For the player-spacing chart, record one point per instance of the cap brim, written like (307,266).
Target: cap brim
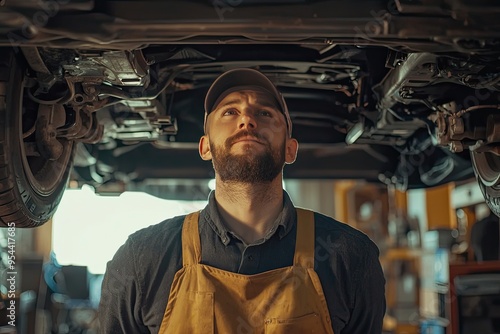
(243,77)
(233,78)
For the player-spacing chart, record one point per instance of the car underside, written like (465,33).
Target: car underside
(110,93)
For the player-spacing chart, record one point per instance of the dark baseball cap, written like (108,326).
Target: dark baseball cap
(243,79)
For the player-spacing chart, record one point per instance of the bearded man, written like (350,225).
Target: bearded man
(250,261)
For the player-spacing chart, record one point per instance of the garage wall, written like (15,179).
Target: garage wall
(316,195)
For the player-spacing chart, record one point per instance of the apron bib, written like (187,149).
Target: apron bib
(204,299)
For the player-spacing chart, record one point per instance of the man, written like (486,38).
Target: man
(250,262)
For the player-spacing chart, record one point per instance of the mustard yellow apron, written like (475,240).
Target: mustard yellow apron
(204,299)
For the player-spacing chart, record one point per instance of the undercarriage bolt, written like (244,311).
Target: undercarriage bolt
(457,126)
(89,89)
(456,146)
(48,145)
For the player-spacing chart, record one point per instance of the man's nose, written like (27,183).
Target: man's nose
(247,121)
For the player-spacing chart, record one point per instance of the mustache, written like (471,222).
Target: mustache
(245,133)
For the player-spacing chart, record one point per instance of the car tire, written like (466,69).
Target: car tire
(487,169)
(31,187)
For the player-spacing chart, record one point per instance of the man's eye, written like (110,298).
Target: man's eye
(230,111)
(265,113)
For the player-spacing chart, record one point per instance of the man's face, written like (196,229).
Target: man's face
(247,138)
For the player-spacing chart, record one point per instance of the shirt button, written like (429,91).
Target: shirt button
(250,257)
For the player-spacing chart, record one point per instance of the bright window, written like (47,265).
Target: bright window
(88,229)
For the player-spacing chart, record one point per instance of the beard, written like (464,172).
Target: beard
(247,168)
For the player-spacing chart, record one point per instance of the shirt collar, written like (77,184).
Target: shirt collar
(283,224)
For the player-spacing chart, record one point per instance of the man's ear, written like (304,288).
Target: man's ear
(292,146)
(204,148)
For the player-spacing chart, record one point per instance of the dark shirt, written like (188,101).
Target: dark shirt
(137,282)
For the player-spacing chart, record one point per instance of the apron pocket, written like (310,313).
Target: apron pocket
(309,323)
(202,309)
(193,313)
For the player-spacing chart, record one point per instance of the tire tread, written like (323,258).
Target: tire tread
(10,208)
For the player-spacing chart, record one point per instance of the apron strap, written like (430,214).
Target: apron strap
(304,245)
(191,248)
